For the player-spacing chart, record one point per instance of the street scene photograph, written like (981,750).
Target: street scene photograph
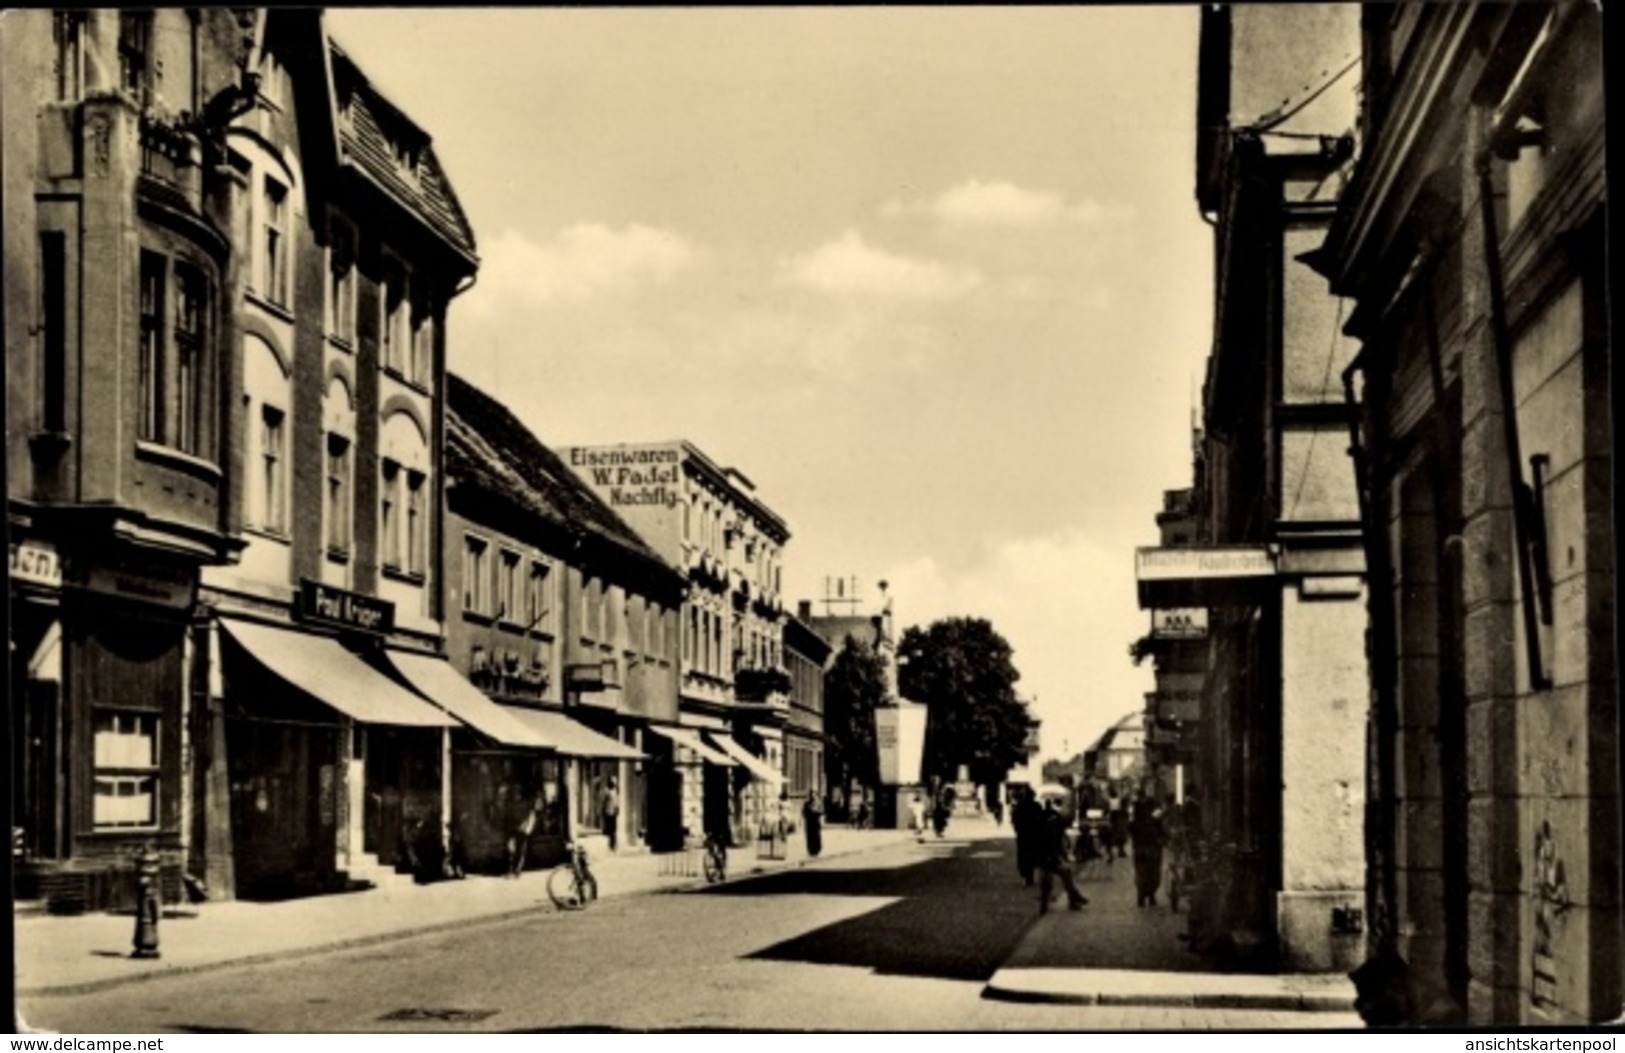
(881,519)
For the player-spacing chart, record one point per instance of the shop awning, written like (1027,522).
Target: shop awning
(757,767)
(691,739)
(322,668)
(570,737)
(436,680)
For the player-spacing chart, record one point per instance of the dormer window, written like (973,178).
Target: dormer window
(407,158)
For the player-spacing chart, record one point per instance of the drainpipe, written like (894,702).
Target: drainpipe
(1524,522)
(1381,824)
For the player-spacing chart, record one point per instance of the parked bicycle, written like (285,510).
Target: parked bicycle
(570,885)
(716,859)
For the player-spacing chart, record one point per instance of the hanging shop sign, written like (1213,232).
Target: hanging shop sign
(1179,623)
(322,604)
(36,563)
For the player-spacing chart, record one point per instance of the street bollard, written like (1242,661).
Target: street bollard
(148,903)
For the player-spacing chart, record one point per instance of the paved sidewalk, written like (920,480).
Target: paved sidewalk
(69,955)
(1115,953)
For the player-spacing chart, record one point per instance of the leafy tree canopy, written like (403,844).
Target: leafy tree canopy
(962,669)
(853,687)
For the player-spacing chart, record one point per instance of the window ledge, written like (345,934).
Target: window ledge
(345,344)
(276,309)
(337,555)
(477,617)
(400,377)
(269,534)
(408,577)
(173,458)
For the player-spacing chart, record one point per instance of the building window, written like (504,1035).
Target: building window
(389,511)
(341,284)
(338,493)
(68,32)
(54,331)
(417,492)
(126,779)
(537,600)
(190,311)
(152,341)
(273,458)
(476,583)
(394,321)
(423,346)
(508,586)
(275,260)
(134,52)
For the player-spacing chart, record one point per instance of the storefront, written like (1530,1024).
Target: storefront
(756,788)
(98,680)
(332,766)
(690,770)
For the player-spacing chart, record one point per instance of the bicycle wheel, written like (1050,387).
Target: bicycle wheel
(564,890)
(716,865)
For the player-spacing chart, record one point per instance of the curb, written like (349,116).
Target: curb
(542,907)
(1302,1002)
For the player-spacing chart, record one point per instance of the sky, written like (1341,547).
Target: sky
(933,279)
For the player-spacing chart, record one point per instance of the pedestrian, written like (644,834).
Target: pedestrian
(916,814)
(1117,816)
(522,823)
(1025,818)
(942,809)
(609,810)
(1052,862)
(1149,835)
(812,820)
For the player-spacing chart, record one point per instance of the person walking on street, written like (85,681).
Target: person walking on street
(1117,816)
(1052,862)
(609,810)
(522,823)
(812,820)
(1149,834)
(1025,818)
(916,815)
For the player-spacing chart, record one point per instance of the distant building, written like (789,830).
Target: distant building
(1280,566)
(734,690)
(567,621)
(806,655)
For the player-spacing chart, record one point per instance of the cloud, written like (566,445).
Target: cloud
(580,261)
(852,266)
(1002,203)
(1058,600)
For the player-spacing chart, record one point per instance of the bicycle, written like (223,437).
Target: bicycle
(715,859)
(570,885)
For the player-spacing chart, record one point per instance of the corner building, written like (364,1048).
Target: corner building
(1471,242)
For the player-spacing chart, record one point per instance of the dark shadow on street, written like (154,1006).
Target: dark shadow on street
(958,913)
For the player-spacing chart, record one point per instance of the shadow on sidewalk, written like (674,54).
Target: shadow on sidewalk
(957,914)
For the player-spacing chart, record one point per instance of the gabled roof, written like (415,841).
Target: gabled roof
(371,128)
(489,449)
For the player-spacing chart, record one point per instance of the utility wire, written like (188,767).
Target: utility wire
(1266,122)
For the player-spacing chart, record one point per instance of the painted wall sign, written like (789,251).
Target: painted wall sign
(1183,564)
(36,562)
(1181,623)
(162,587)
(325,605)
(632,476)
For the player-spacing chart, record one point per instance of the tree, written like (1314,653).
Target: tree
(853,687)
(962,670)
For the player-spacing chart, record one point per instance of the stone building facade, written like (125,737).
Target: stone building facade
(1471,241)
